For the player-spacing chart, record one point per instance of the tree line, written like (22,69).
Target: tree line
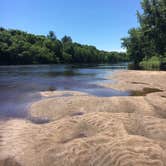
(19,47)
(146,45)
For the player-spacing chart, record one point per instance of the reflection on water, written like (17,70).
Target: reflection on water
(19,85)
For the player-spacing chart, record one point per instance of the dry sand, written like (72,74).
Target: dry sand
(137,80)
(86,130)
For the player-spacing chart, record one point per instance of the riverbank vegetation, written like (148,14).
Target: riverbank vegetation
(18,47)
(146,45)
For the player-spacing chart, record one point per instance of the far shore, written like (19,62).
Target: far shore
(78,129)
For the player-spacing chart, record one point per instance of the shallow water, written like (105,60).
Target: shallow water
(20,85)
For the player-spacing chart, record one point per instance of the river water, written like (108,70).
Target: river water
(20,85)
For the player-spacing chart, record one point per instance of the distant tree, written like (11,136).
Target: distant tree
(2,29)
(18,47)
(67,58)
(51,35)
(66,39)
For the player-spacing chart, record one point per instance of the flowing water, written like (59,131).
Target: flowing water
(20,85)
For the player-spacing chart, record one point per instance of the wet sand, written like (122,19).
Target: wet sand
(85,130)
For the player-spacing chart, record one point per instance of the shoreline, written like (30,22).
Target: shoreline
(137,80)
(87,130)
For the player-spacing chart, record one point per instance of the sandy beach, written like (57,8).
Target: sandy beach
(85,130)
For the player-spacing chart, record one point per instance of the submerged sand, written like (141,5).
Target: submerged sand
(85,130)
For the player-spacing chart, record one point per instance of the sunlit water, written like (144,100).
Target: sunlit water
(20,85)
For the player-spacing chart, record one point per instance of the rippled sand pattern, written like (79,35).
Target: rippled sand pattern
(90,131)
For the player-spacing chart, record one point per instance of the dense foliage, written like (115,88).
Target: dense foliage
(18,47)
(146,45)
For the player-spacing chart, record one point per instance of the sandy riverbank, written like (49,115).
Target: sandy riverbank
(85,130)
(137,80)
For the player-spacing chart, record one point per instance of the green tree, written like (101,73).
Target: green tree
(66,39)
(149,39)
(18,47)
(51,35)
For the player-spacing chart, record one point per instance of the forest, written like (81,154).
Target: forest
(146,44)
(19,47)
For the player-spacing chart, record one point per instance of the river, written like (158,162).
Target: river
(20,85)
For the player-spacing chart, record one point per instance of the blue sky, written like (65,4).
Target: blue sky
(95,22)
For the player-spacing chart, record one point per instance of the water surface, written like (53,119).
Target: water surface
(20,85)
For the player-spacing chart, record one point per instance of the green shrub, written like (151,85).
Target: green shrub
(153,63)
